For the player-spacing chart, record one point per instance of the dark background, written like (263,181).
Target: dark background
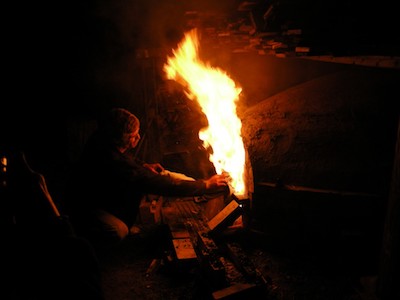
(308,122)
(78,56)
(67,62)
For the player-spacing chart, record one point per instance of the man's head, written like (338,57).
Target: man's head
(121,127)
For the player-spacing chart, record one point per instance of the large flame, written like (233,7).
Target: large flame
(217,94)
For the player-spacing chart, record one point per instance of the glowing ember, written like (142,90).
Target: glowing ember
(216,93)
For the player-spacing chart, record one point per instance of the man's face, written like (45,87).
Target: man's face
(135,137)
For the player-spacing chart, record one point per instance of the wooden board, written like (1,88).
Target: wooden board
(184,249)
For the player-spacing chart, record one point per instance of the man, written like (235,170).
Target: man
(105,190)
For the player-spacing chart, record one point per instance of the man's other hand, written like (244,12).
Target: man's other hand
(155,168)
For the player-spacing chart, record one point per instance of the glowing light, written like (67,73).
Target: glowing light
(217,95)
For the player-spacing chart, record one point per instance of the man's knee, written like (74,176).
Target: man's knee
(121,230)
(114,228)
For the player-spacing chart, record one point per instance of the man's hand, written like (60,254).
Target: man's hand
(155,168)
(217,181)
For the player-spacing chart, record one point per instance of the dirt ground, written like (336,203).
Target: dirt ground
(133,272)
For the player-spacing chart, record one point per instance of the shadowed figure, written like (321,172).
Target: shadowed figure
(44,258)
(105,189)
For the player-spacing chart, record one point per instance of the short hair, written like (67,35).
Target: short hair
(118,125)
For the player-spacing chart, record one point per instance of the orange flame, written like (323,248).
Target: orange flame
(216,93)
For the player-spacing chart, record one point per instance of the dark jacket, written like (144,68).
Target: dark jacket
(113,181)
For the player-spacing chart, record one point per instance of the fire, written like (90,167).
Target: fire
(217,95)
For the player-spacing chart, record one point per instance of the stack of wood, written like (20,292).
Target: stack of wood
(196,237)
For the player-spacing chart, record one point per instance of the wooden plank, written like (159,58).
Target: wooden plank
(228,214)
(184,249)
(232,290)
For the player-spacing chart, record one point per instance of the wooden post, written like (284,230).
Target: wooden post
(388,285)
